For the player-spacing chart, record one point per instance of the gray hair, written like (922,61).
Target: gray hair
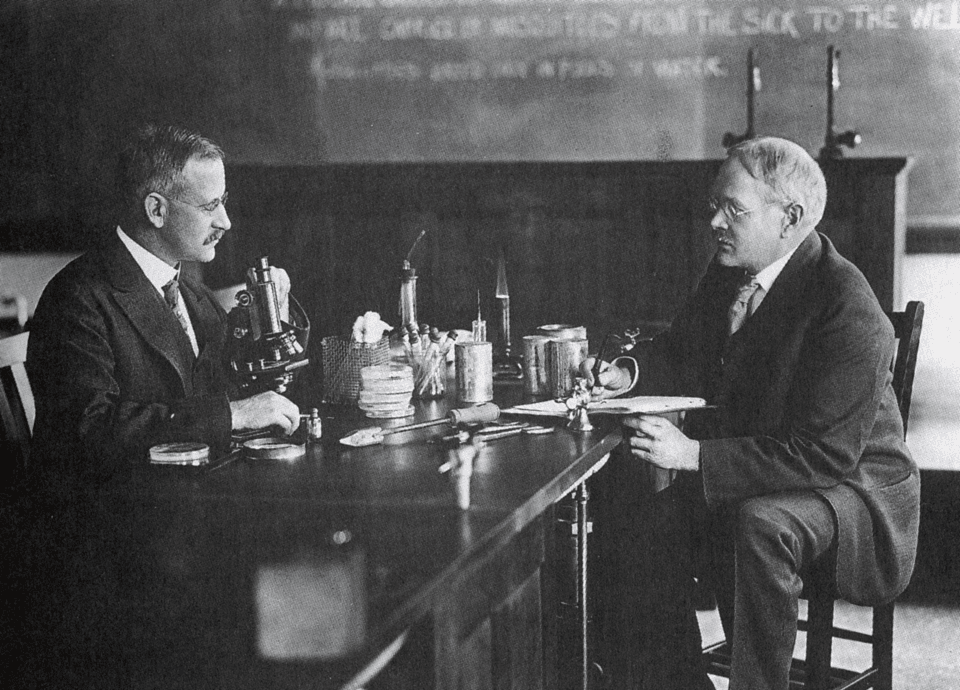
(791,174)
(153,161)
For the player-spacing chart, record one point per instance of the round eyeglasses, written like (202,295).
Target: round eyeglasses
(210,207)
(731,212)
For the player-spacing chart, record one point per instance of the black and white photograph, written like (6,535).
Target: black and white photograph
(480,344)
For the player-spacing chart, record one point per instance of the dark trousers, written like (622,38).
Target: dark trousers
(653,547)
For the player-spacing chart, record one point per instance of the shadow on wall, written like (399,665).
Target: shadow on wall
(26,275)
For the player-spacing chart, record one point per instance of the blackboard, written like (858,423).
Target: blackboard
(307,82)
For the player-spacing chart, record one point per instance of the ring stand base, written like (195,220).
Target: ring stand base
(580,421)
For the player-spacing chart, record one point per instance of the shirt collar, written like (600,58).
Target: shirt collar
(767,276)
(158,271)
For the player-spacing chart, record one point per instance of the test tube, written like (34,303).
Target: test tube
(479,331)
(479,326)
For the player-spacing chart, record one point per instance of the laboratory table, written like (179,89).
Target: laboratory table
(305,573)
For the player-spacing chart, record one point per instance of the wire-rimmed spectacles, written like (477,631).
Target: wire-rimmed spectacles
(210,207)
(730,211)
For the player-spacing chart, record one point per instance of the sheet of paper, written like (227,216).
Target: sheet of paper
(644,404)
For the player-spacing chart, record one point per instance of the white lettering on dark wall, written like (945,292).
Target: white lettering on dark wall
(601,25)
(563,68)
(936,16)
(573,40)
(661,17)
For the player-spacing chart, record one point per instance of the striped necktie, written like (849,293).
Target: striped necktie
(171,295)
(740,309)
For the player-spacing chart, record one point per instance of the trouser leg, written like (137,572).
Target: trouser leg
(654,637)
(775,537)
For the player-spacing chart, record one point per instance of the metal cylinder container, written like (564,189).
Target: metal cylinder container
(474,363)
(563,365)
(562,331)
(535,365)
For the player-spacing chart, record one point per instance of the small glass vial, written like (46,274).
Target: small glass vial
(314,425)
(479,330)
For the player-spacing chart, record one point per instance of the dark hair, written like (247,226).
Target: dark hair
(153,161)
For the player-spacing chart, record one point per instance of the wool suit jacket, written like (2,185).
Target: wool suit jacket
(805,402)
(113,372)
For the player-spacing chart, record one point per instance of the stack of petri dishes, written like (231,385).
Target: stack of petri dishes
(386,391)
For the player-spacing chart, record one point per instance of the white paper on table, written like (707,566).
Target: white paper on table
(643,404)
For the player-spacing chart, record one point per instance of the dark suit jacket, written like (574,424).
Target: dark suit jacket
(805,403)
(112,371)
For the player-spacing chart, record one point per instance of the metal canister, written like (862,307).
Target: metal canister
(562,331)
(474,362)
(535,365)
(563,364)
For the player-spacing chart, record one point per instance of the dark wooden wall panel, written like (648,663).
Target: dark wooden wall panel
(605,245)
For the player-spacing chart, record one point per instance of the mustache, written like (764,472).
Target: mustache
(721,235)
(215,237)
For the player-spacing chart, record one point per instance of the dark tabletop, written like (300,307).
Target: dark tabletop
(264,571)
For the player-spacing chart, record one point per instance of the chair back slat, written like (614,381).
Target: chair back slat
(907,325)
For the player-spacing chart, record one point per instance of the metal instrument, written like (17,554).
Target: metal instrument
(832,147)
(408,288)
(577,418)
(408,295)
(613,345)
(753,85)
(506,365)
(478,414)
(264,351)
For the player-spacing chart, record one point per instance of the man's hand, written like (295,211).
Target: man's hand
(265,410)
(612,380)
(658,441)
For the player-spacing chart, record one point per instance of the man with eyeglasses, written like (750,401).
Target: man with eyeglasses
(125,351)
(803,458)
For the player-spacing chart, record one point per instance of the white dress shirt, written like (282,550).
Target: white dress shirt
(159,273)
(767,276)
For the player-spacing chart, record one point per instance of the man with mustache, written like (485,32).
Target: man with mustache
(802,461)
(125,352)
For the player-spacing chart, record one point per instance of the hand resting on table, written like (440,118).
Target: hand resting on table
(264,410)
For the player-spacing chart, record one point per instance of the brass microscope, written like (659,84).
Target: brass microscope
(264,350)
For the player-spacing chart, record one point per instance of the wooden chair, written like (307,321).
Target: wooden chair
(815,672)
(17,410)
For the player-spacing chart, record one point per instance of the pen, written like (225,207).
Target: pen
(595,372)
